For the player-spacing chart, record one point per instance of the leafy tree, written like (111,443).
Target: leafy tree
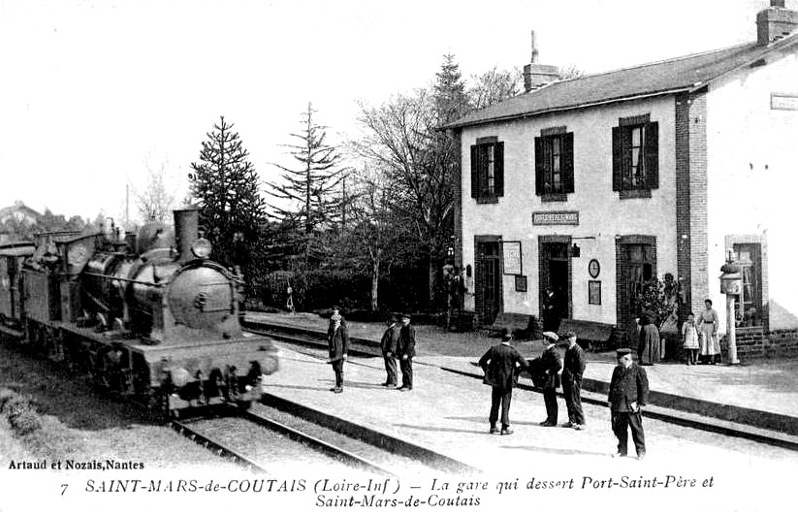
(449,92)
(378,236)
(659,297)
(403,138)
(226,188)
(155,201)
(494,86)
(310,193)
(570,71)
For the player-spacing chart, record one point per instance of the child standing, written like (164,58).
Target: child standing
(690,338)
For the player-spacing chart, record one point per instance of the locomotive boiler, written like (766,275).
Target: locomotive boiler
(150,316)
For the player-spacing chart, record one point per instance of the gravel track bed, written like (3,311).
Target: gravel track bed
(271,450)
(394,463)
(81,423)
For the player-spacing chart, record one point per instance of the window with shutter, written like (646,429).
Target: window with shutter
(635,157)
(554,165)
(487,170)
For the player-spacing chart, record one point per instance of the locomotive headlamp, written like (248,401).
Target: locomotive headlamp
(201,248)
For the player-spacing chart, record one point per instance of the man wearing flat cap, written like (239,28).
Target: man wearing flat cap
(501,364)
(628,394)
(550,366)
(389,345)
(406,352)
(573,368)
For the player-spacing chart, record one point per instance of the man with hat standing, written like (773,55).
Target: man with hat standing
(499,364)
(406,352)
(550,366)
(389,344)
(628,394)
(573,369)
(338,342)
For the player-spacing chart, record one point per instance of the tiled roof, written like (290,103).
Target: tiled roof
(664,77)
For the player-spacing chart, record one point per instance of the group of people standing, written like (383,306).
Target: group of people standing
(699,338)
(628,393)
(502,364)
(398,342)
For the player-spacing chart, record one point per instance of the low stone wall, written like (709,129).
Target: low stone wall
(753,343)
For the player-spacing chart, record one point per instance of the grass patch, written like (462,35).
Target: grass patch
(20,412)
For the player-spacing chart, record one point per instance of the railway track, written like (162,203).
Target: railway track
(266,438)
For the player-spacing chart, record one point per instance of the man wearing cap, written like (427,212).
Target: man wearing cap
(499,364)
(406,352)
(338,342)
(573,369)
(550,366)
(628,393)
(389,344)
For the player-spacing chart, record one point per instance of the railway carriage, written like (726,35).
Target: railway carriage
(150,316)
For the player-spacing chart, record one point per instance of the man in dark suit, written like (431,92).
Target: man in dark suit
(338,342)
(499,364)
(406,352)
(573,369)
(550,366)
(628,394)
(389,344)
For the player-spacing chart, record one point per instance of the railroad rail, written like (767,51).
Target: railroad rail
(186,429)
(301,431)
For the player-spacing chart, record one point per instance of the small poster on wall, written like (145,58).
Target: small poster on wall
(594,292)
(511,256)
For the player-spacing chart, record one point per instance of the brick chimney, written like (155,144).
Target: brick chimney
(775,22)
(536,75)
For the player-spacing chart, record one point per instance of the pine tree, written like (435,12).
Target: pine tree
(225,185)
(311,193)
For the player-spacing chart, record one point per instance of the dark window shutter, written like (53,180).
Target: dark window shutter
(617,157)
(652,155)
(540,172)
(498,169)
(568,162)
(474,172)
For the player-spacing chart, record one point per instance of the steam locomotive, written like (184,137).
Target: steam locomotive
(149,316)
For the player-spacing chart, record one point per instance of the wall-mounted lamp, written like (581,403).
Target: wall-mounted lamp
(576,251)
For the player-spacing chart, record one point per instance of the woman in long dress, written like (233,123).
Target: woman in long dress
(648,347)
(709,346)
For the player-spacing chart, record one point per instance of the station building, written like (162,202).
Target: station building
(583,188)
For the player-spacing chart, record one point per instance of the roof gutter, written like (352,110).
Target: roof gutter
(537,113)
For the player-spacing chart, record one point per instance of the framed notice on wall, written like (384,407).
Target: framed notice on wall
(594,292)
(511,256)
(520,283)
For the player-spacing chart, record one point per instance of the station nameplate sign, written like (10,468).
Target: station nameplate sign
(555,218)
(781,101)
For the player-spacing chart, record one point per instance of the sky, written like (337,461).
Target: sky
(95,93)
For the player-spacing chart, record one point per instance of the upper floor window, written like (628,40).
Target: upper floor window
(635,156)
(487,169)
(554,163)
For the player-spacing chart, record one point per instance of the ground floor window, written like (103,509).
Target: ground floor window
(749,309)
(636,263)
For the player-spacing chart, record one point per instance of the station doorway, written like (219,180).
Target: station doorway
(488,278)
(555,280)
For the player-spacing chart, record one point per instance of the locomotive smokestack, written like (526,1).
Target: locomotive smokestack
(186,227)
